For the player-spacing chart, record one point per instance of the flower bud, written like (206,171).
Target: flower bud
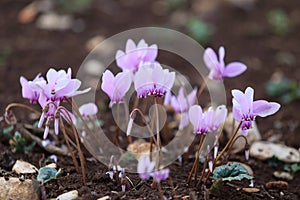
(247,151)
(129,127)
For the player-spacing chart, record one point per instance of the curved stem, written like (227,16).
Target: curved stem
(20,105)
(228,143)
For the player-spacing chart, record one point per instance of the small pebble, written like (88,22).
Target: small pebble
(251,190)
(283,175)
(280,185)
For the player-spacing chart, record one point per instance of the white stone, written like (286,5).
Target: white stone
(283,175)
(104,198)
(16,189)
(22,167)
(53,21)
(253,134)
(68,195)
(264,150)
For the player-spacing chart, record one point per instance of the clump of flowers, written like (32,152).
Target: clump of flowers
(153,85)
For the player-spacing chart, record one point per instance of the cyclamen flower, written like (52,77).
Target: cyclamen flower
(58,85)
(245,109)
(27,91)
(145,167)
(135,54)
(208,121)
(197,118)
(217,67)
(161,175)
(152,79)
(182,103)
(214,118)
(51,92)
(116,86)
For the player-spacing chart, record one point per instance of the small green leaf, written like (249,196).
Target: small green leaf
(7,130)
(47,173)
(216,187)
(230,172)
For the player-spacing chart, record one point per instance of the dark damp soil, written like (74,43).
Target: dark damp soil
(247,36)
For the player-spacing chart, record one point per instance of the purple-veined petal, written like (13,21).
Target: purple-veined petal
(130,45)
(236,111)
(233,69)
(220,115)
(195,116)
(108,83)
(249,93)
(51,75)
(221,55)
(27,91)
(263,108)
(241,101)
(210,58)
(151,53)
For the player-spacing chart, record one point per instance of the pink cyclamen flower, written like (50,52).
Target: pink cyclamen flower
(245,109)
(182,103)
(135,54)
(161,175)
(197,118)
(88,109)
(116,86)
(217,67)
(145,167)
(27,91)
(152,79)
(51,92)
(214,118)
(58,85)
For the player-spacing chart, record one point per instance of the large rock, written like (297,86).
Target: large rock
(16,189)
(264,150)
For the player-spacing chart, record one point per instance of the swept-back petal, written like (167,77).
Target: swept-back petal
(210,58)
(108,82)
(221,55)
(233,69)
(130,45)
(195,116)
(151,53)
(263,108)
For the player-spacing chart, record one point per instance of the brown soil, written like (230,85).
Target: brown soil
(34,51)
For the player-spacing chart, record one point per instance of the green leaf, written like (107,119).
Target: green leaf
(7,130)
(230,172)
(47,173)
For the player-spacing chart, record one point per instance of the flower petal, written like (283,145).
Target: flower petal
(263,108)
(195,115)
(130,45)
(210,58)
(233,69)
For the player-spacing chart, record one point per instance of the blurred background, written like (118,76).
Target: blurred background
(264,34)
